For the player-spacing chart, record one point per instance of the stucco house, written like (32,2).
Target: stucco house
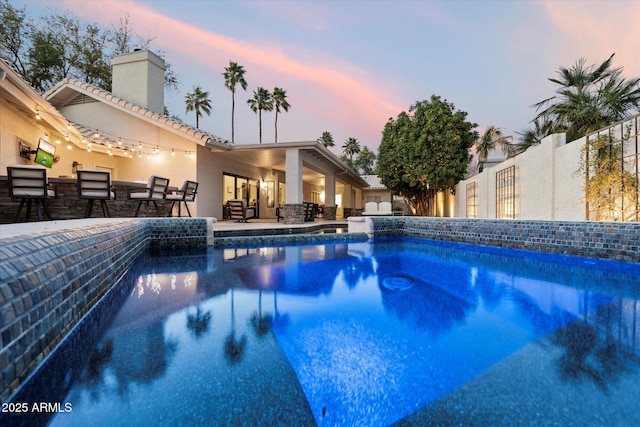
(126,132)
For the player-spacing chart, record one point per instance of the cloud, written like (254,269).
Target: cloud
(333,90)
(598,29)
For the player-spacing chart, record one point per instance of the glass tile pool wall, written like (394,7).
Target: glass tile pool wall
(406,331)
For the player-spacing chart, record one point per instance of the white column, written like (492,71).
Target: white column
(294,176)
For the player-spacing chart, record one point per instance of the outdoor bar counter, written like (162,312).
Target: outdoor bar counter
(67,205)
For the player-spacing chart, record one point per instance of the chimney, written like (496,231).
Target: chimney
(138,77)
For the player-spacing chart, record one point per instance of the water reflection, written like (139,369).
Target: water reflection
(353,342)
(593,351)
(233,347)
(198,322)
(261,324)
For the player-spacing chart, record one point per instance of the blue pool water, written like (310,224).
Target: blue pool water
(361,334)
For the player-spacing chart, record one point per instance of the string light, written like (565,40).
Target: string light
(105,141)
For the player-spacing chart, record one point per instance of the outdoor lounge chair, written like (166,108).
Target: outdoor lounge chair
(29,184)
(237,210)
(156,190)
(384,208)
(186,193)
(377,209)
(95,185)
(370,208)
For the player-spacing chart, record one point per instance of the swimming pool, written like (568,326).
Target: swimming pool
(400,331)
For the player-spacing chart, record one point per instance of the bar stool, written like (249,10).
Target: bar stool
(186,193)
(156,190)
(29,184)
(95,185)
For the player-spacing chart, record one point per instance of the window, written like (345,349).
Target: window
(505,193)
(376,199)
(472,200)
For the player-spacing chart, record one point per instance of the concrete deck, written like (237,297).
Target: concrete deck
(31,228)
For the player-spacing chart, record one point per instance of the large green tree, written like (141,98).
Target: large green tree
(589,98)
(47,50)
(280,103)
(365,162)
(262,101)
(425,151)
(198,101)
(233,76)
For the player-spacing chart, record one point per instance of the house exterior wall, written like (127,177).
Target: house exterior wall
(376,195)
(17,125)
(547,186)
(210,168)
(119,123)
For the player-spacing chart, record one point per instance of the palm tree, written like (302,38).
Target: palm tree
(199,102)
(262,100)
(351,147)
(279,101)
(326,139)
(233,75)
(529,137)
(589,98)
(490,138)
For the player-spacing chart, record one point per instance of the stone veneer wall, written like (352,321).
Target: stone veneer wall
(49,281)
(610,240)
(67,205)
(293,213)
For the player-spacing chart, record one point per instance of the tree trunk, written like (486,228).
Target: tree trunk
(260,124)
(233,109)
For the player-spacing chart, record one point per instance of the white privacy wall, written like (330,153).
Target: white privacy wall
(547,184)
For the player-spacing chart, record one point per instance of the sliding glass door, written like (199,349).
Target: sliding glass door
(240,187)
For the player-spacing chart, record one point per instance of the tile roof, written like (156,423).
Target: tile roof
(374,182)
(198,134)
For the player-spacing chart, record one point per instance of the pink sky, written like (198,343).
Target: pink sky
(349,66)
